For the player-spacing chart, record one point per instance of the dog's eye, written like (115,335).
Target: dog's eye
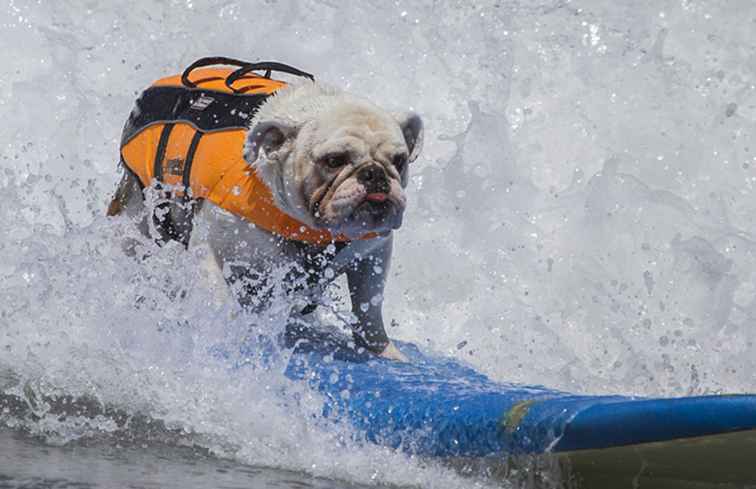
(400,161)
(336,161)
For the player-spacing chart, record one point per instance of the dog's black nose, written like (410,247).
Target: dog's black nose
(373,178)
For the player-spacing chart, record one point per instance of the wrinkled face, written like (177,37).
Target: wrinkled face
(344,170)
(358,170)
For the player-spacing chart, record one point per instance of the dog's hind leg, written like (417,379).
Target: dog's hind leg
(158,216)
(129,200)
(124,194)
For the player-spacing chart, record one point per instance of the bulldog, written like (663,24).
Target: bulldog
(331,163)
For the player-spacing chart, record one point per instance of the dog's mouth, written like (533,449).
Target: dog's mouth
(376,197)
(373,213)
(376,212)
(374,207)
(344,206)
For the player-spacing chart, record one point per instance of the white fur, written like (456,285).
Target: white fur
(313,121)
(297,103)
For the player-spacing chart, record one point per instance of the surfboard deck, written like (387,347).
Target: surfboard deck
(438,407)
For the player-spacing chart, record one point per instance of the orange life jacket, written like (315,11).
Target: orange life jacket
(188,135)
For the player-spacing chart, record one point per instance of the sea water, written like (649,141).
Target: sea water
(582,217)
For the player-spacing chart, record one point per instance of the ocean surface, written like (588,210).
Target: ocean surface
(583,217)
(33,464)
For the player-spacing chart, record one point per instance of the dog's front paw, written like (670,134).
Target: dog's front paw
(391,352)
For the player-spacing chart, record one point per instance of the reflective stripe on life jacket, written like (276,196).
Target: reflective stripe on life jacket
(190,140)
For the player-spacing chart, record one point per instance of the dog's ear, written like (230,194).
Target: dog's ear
(412,129)
(267,137)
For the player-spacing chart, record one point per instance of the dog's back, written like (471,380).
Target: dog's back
(185,137)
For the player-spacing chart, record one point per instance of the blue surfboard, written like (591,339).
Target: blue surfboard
(438,407)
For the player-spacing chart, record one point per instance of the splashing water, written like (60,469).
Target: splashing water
(582,216)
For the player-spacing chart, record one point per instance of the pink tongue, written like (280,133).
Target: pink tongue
(376,197)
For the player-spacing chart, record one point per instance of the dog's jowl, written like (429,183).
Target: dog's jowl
(277,175)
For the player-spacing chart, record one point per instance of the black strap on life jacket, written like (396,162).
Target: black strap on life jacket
(244,68)
(268,66)
(174,217)
(165,134)
(187,172)
(208,61)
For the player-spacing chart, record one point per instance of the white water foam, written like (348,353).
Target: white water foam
(582,216)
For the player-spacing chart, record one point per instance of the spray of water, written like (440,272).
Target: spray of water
(582,216)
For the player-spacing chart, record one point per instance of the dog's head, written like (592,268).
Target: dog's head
(334,161)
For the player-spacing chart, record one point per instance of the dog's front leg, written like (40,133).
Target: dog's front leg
(367,278)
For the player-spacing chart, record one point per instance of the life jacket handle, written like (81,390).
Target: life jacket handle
(209,61)
(244,68)
(268,66)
